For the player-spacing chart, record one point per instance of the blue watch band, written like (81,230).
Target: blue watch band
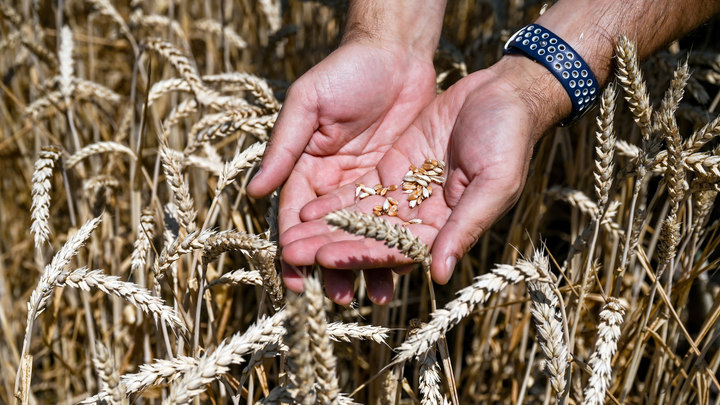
(541,45)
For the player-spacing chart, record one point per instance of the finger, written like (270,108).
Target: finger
(293,277)
(296,192)
(295,124)
(339,285)
(480,205)
(380,286)
(342,198)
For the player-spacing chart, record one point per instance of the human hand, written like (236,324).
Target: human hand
(484,127)
(337,121)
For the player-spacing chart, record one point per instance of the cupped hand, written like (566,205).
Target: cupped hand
(484,127)
(337,122)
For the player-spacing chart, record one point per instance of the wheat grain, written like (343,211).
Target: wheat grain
(611,318)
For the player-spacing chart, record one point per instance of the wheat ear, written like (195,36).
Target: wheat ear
(40,211)
(605,149)
(241,161)
(173,171)
(143,241)
(346,332)
(631,79)
(48,281)
(611,318)
(548,321)
(320,346)
(429,379)
(210,26)
(97,148)
(299,358)
(236,277)
(139,297)
(213,365)
(379,229)
(108,375)
(458,309)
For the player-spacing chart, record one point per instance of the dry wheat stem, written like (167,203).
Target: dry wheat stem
(608,334)
(370,226)
(469,298)
(139,297)
(42,185)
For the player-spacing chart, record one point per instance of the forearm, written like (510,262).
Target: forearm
(592,28)
(413,25)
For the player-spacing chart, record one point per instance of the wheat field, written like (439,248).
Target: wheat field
(134,267)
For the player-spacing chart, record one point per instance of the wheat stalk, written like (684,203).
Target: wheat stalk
(611,318)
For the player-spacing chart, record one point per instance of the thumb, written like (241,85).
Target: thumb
(297,121)
(481,204)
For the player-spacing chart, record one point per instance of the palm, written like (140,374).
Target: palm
(480,129)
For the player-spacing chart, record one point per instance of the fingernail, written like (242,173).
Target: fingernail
(450,263)
(256,174)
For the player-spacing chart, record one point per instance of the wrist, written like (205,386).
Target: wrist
(396,25)
(540,92)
